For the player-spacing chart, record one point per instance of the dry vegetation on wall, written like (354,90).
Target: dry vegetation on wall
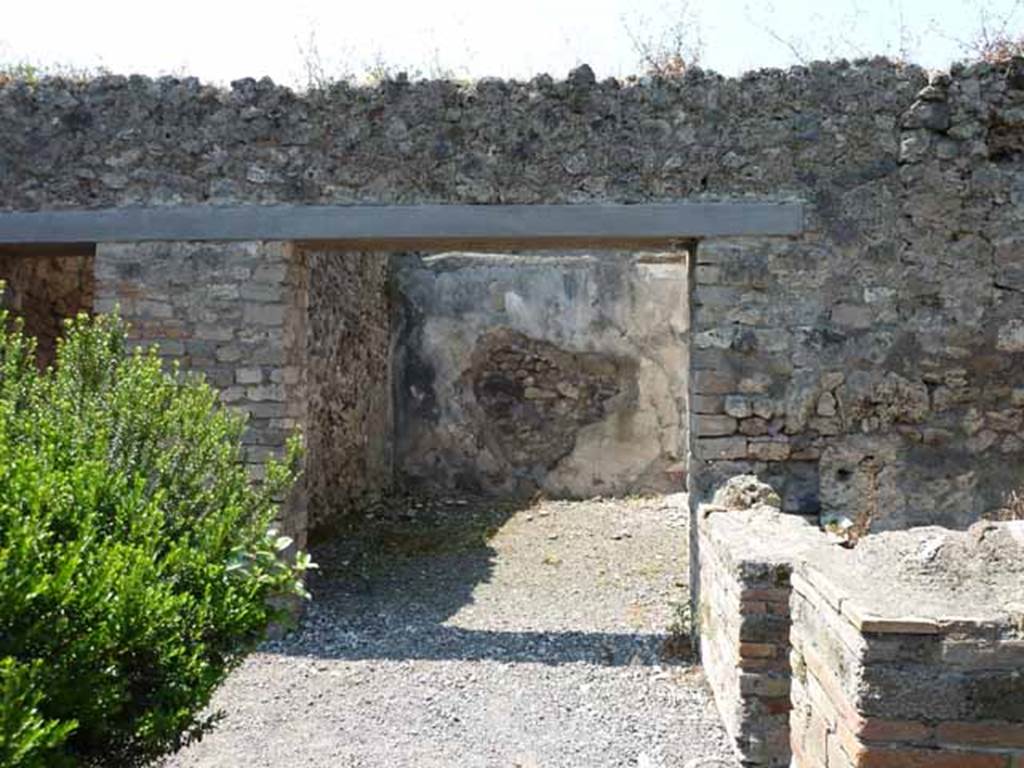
(666,44)
(28,72)
(998,39)
(1001,49)
(1013,509)
(667,49)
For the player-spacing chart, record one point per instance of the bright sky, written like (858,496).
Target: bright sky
(220,40)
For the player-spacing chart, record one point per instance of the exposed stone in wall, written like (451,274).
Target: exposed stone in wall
(869,370)
(519,373)
(44,290)
(822,131)
(234,312)
(535,397)
(350,435)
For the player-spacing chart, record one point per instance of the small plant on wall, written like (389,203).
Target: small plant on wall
(137,561)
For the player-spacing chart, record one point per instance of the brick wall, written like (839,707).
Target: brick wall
(745,649)
(234,312)
(904,652)
(900,692)
(744,622)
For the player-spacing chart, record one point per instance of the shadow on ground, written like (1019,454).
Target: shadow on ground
(389,582)
(482,635)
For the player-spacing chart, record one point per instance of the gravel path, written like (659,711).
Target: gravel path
(520,637)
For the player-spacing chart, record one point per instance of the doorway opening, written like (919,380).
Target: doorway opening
(504,375)
(45,286)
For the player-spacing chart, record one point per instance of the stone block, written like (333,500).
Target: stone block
(270,274)
(259,292)
(708,274)
(263,314)
(232,394)
(717,296)
(1010,336)
(214,332)
(228,353)
(714,425)
(707,404)
(710,382)
(218,376)
(738,406)
(249,376)
(718,448)
(853,316)
(755,384)
(754,426)
(768,449)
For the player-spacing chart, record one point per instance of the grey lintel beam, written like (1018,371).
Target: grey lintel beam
(411,225)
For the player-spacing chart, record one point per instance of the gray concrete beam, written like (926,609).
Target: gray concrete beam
(411,226)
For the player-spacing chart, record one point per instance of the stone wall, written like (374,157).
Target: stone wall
(350,435)
(306,338)
(871,367)
(44,290)
(820,133)
(521,373)
(234,312)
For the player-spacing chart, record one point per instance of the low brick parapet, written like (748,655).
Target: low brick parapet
(905,652)
(901,689)
(744,617)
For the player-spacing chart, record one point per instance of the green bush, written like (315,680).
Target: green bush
(137,563)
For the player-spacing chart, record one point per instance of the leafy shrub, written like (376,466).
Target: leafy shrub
(137,564)
(25,736)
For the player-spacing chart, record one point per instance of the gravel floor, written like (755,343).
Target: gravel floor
(531,636)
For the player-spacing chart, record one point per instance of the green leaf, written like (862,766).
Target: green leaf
(137,561)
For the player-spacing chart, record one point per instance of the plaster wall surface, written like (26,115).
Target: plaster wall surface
(565,374)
